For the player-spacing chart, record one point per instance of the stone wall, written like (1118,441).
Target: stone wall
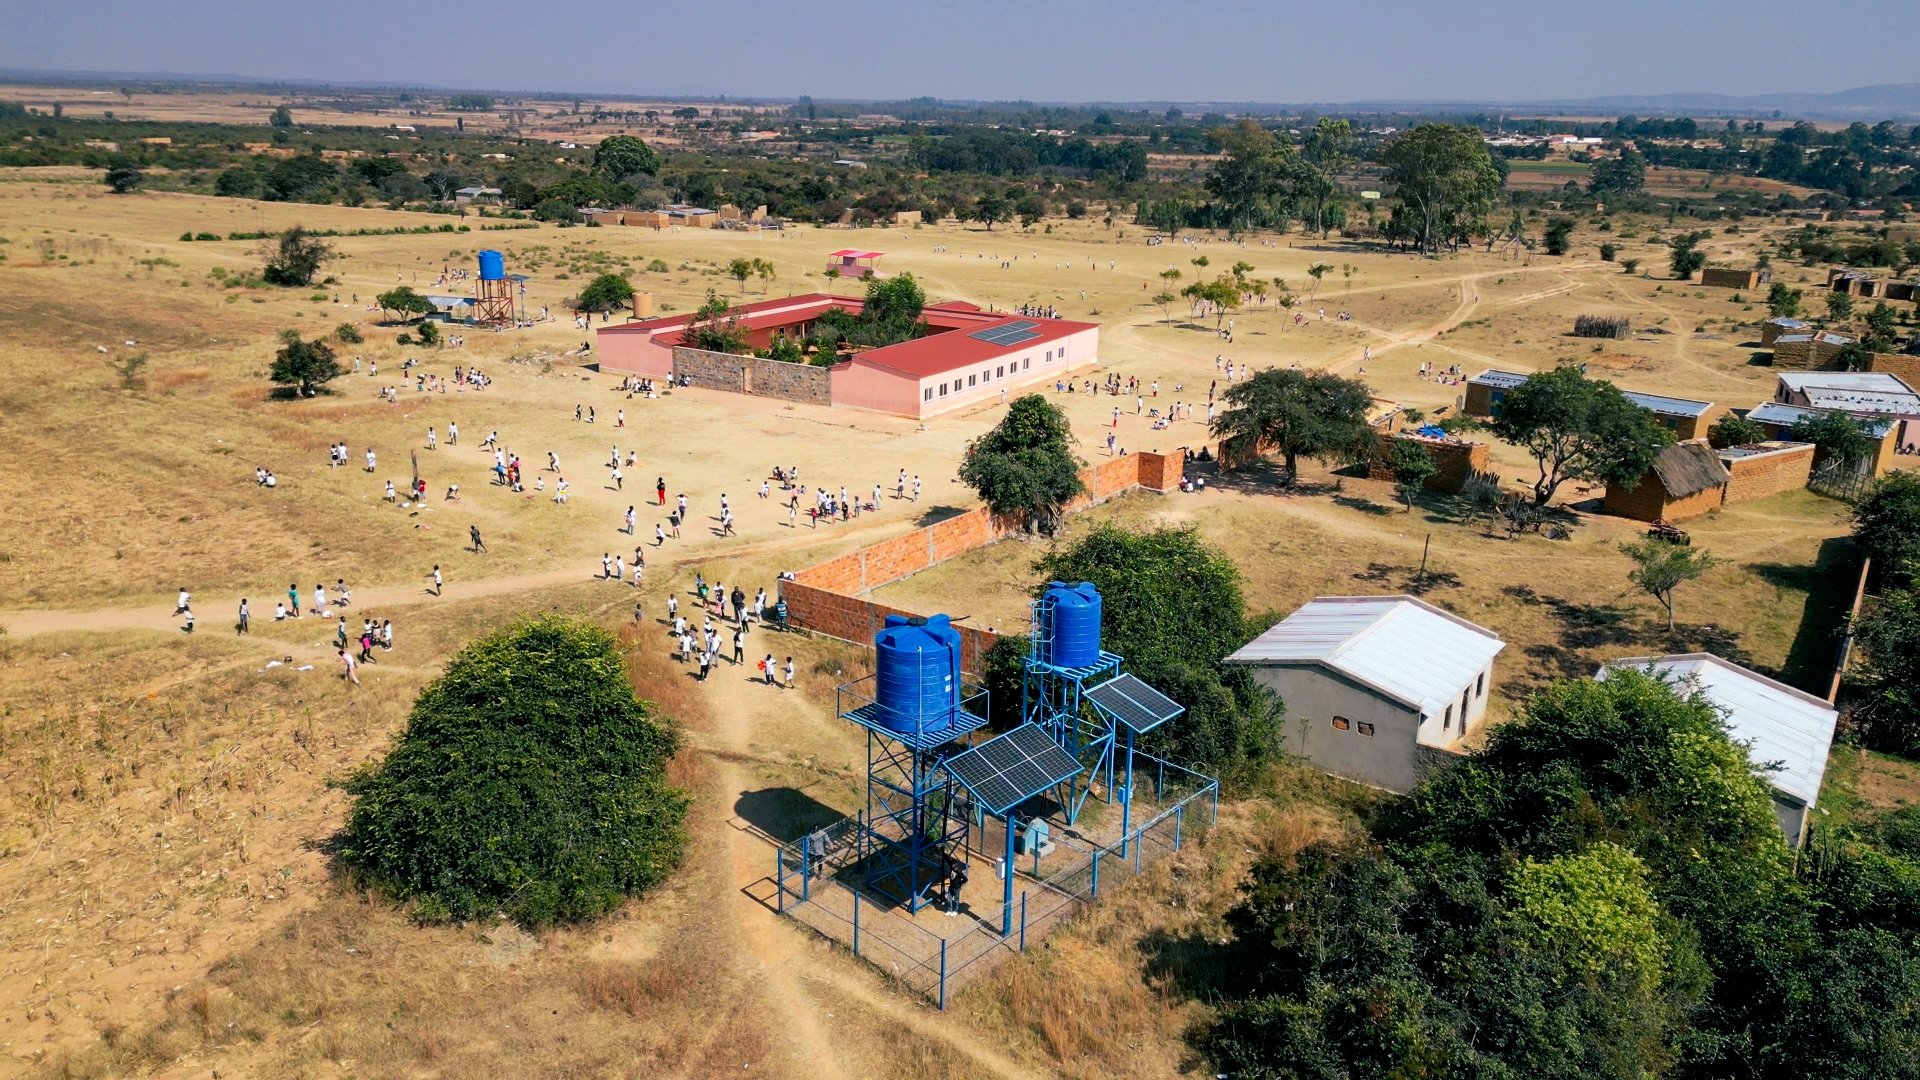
(1458,461)
(752,375)
(825,598)
(1758,476)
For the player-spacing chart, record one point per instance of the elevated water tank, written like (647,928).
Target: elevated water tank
(492,266)
(1070,621)
(917,681)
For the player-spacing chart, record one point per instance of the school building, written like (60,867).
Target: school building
(967,356)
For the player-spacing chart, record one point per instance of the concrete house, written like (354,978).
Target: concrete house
(1782,726)
(1687,418)
(1379,689)
(1865,394)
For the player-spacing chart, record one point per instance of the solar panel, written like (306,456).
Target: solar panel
(1009,769)
(1008,334)
(1137,705)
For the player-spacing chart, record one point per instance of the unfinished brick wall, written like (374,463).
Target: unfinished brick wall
(1734,279)
(1763,475)
(1648,501)
(752,375)
(1906,368)
(1811,355)
(825,598)
(1457,461)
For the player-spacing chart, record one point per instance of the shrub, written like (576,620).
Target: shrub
(1731,430)
(530,780)
(348,333)
(1608,251)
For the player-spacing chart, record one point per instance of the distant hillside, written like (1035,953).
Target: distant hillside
(1888,101)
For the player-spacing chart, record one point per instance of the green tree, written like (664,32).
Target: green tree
(1687,258)
(427,335)
(621,156)
(1661,566)
(280,118)
(991,207)
(740,270)
(1839,306)
(1312,414)
(1783,302)
(1880,327)
(303,364)
(1026,466)
(1883,688)
(1622,175)
(1558,235)
(764,270)
(1443,175)
(128,369)
(1412,464)
(237,183)
(608,292)
(123,175)
(1165,301)
(1732,430)
(1595,909)
(1326,152)
(895,300)
(1250,175)
(1842,438)
(1030,209)
(715,327)
(294,257)
(1886,523)
(556,210)
(403,300)
(529,780)
(348,334)
(1578,428)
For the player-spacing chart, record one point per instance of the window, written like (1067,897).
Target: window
(970,380)
(1366,729)
(1340,723)
(1063,352)
(1446,722)
(943,389)
(1481,689)
(1000,372)
(1049,356)
(1466,696)
(927,394)
(1027,363)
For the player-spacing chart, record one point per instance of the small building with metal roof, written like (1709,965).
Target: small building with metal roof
(1379,689)
(1778,420)
(1787,732)
(1486,390)
(1685,417)
(1863,394)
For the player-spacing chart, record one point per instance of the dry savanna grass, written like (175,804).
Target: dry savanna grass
(167,901)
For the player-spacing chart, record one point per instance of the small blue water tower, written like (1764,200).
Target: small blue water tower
(917,678)
(493,266)
(1070,622)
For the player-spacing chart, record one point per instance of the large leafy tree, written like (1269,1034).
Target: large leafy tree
(1886,522)
(1252,174)
(1842,438)
(1326,152)
(1172,605)
(294,257)
(1622,175)
(1578,428)
(608,292)
(123,175)
(1312,414)
(404,301)
(1444,176)
(620,156)
(1026,465)
(529,780)
(303,364)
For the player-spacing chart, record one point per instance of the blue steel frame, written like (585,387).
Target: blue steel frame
(1051,697)
(909,830)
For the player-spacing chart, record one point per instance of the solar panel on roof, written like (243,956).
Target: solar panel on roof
(1136,704)
(1008,334)
(1009,769)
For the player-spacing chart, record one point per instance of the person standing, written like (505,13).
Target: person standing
(630,520)
(768,666)
(739,647)
(453,433)
(660,490)
(433,442)
(606,565)
(619,568)
(350,664)
(473,533)
(789,673)
(916,487)
(706,662)
(619,481)
(245,618)
(319,598)
(438,584)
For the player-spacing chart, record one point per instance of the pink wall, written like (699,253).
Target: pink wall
(1080,348)
(868,386)
(633,351)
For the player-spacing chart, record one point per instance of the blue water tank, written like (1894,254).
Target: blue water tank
(1070,618)
(917,682)
(493,266)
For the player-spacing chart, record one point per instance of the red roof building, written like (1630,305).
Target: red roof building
(968,355)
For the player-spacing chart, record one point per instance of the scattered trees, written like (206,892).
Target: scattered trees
(1026,465)
(1300,414)
(1839,306)
(529,780)
(1578,428)
(1661,566)
(294,258)
(305,365)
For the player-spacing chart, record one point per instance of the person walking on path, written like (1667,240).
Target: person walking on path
(189,614)
(180,606)
(438,584)
(619,481)
(245,618)
(350,664)
(473,533)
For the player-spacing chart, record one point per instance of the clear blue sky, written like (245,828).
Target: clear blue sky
(1066,50)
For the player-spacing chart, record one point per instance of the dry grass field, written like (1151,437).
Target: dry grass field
(168,903)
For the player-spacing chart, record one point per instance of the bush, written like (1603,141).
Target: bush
(530,780)
(658,266)
(1731,430)
(348,333)
(605,293)
(1608,251)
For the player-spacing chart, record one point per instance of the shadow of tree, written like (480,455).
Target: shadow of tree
(934,515)
(784,813)
(1364,506)
(1828,585)
(1409,579)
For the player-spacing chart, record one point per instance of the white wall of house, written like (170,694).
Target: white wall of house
(1383,743)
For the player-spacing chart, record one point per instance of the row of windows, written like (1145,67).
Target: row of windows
(1343,724)
(1000,372)
(1479,689)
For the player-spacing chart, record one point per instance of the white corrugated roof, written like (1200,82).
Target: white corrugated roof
(1668,406)
(1867,382)
(1403,647)
(1781,725)
(1505,380)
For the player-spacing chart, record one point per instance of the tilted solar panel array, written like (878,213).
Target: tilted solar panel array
(1138,705)
(1009,769)
(1008,334)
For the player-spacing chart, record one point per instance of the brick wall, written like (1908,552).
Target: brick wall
(1811,355)
(753,375)
(1907,368)
(1457,461)
(1648,501)
(825,598)
(1731,279)
(1762,475)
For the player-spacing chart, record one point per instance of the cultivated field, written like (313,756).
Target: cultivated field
(167,901)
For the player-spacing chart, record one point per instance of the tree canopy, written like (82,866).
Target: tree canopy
(294,257)
(1886,522)
(1661,566)
(403,300)
(1312,414)
(123,175)
(1578,428)
(1251,174)
(1443,175)
(1841,437)
(530,780)
(608,292)
(620,156)
(1026,464)
(303,364)
(1622,175)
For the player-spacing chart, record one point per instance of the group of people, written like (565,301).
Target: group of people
(1449,376)
(1036,311)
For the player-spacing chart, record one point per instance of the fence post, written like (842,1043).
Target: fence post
(1216,803)
(1096,875)
(1137,833)
(1023,920)
(943,974)
(780,880)
(856,923)
(806,867)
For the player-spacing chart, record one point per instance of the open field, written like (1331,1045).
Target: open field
(168,905)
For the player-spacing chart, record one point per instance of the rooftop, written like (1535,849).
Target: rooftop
(1780,414)
(1853,391)
(1782,725)
(1688,468)
(850,253)
(1668,406)
(1500,380)
(1401,646)
(1758,449)
(938,353)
